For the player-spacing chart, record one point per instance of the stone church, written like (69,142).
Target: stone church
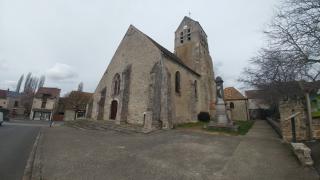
(145,84)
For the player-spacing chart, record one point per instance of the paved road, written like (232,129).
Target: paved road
(68,153)
(16,142)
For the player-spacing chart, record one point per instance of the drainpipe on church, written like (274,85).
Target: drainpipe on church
(309,116)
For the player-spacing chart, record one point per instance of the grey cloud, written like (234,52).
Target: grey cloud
(61,72)
(85,34)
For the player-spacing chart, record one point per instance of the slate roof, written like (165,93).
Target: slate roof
(3,94)
(254,94)
(169,54)
(13,94)
(232,93)
(292,88)
(53,92)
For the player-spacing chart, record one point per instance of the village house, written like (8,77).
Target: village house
(257,104)
(237,104)
(145,84)
(3,99)
(11,101)
(44,103)
(15,104)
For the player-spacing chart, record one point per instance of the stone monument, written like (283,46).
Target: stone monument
(221,119)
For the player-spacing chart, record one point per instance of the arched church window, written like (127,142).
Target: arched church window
(231,105)
(196,88)
(177,82)
(116,84)
(181,37)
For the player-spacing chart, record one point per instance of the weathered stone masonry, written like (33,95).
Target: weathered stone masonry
(148,96)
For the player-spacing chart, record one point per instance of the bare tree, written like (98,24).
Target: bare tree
(19,83)
(27,82)
(296,30)
(34,84)
(293,49)
(80,87)
(77,101)
(42,81)
(31,84)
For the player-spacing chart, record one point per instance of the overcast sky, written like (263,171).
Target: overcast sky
(71,41)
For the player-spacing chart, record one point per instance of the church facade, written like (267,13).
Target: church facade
(147,84)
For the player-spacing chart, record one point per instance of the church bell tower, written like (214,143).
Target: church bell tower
(191,44)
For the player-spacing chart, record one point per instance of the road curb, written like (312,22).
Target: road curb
(28,171)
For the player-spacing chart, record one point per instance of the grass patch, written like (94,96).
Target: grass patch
(243,127)
(198,124)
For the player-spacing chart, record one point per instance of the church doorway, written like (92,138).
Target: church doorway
(113,109)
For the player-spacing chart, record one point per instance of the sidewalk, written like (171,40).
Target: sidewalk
(68,153)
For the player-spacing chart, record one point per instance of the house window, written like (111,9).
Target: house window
(177,82)
(44,100)
(43,104)
(16,103)
(116,84)
(231,105)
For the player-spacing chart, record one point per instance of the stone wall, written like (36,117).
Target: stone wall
(240,111)
(139,53)
(316,128)
(38,101)
(302,127)
(185,105)
(147,90)
(194,52)
(287,108)
(69,115)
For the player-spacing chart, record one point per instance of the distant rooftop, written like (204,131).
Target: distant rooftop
(53,92)
(232,93)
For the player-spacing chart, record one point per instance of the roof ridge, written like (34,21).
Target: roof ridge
(166,52)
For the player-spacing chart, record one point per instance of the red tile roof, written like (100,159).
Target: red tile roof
(232,93)
(53,92)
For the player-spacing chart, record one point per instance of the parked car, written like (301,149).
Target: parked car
(5,113)
(1,118)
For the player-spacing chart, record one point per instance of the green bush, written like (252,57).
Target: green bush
(204,117)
